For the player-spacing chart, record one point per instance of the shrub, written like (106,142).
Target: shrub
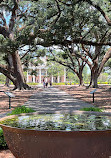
(3,144)
(92,109)
(103,82)
(33,84)
(21,109)
(58,84)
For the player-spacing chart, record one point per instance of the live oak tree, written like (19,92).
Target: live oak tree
(9,44)
(70,60)
(51,22)
(108,64)
(82,24)
(76,20)
(79,25)
(95,59)
(22,24)
(19,26)
(96,56)
(107,68)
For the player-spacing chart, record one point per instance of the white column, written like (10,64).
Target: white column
(46,73)
(27,77)
(33,78)
(64,74)
(39,75)
(46,79)
(52,79)
(58,78)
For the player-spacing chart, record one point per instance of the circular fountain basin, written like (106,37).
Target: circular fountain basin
(75,135)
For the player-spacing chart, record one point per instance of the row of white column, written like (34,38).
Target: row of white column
(52,79)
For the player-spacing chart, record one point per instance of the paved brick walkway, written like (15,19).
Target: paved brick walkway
(53,99)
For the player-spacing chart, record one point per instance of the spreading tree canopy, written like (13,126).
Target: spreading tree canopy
(50,22)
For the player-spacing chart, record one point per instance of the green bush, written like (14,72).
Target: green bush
(58,84)
(3,144)
(103,83)
(21,109)
(92,109)
(33,84)
(64,83)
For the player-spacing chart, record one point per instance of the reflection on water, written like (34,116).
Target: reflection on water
(68,122)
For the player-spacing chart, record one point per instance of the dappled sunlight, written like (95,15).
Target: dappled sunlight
(102,95)
(55,100)
(20,98)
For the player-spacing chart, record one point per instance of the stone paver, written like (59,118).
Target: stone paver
(52,99)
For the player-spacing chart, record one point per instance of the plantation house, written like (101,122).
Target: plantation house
(42,73)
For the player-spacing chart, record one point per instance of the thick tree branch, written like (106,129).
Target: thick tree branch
(70,56)
(59,13)
(68,42)
(85,60)
(3,19)
(60,62)
(105,59)
(4,70)
(100,10)
(88,32)
(87,51)
(13,17)
(25,54)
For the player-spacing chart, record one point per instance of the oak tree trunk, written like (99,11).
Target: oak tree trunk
(94,79)
(81,83)
(80,76)
(20,82)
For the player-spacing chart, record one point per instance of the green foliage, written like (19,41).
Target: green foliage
(33,84)
(70,76)
(58,84)
(2,78)
(109,63)
(81,22)
(21,109)
(55,69)
(34,57)
(66,83)
(3,144)
(92,109)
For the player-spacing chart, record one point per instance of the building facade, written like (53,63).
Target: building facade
(41,72)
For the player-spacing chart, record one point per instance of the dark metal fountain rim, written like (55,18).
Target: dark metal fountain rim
(57,112)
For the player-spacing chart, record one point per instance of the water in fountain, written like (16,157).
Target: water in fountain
(67,122)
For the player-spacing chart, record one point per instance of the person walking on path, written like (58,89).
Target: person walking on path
(43,83)
(46,84)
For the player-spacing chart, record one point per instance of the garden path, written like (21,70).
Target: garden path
(52,99)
